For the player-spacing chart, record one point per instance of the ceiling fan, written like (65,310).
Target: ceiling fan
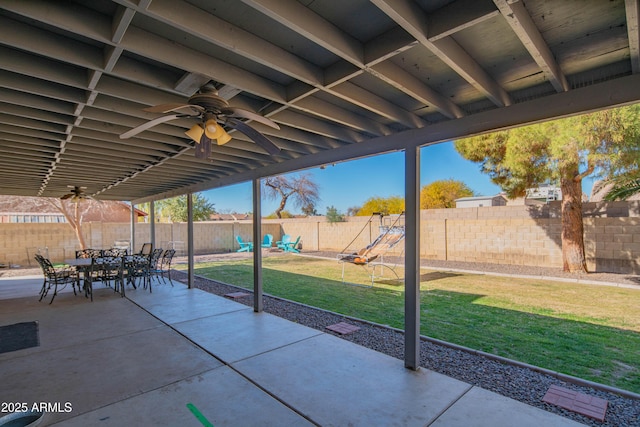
(76,194)
(213,114)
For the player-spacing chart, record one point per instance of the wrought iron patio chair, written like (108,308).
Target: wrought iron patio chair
(115,252)
(138,269)
(55,277)
(154,263)
(165,265)
(146,249)
(89,253)
(112,272)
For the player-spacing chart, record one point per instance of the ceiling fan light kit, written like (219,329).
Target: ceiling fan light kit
(224,137)
(211,110)
(203,143)
(212,129)
(195,133)
(203,137)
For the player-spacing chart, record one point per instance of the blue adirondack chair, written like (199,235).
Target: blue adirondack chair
(267,241)
(244,246)
(292,246)
(282,244)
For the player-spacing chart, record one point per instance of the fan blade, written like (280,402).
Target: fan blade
(149,124)
(257,137)
(66,196)
(165,108)
(246,114)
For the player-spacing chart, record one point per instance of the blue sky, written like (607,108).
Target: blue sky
(349,184)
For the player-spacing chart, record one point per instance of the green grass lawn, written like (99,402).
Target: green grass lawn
(592,332)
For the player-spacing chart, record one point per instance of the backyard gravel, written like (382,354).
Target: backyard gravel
(517,382)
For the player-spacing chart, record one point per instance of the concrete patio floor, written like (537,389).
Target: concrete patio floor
(140,360)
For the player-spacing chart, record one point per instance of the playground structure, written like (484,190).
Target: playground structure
(371,257)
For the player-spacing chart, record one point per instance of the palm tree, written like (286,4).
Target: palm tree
(623,189)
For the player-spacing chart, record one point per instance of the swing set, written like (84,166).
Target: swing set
(371,257)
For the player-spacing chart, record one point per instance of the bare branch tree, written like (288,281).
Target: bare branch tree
(74,213)
(301,190)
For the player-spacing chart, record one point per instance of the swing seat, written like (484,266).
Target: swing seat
(356,258)
(389,238)
(386,241)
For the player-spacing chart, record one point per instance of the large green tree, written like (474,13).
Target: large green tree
(333,215)
(443,194)
(385,205)
(604,144)
(175,208)
(300,189)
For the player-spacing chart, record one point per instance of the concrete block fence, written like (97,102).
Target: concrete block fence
(521,235)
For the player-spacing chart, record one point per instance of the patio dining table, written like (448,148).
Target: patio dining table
(78,262)
(84,264)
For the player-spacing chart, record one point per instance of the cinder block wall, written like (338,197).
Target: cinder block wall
(521,235)
(613,244)
(20,242)
(503,241)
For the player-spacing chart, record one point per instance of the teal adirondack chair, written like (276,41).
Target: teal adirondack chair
(292,246)
(244,246)
(267,241)
(282,244)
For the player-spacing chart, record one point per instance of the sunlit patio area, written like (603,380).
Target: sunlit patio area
(144,101)
(182,356)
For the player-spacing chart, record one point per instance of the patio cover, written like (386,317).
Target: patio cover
(342,79)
